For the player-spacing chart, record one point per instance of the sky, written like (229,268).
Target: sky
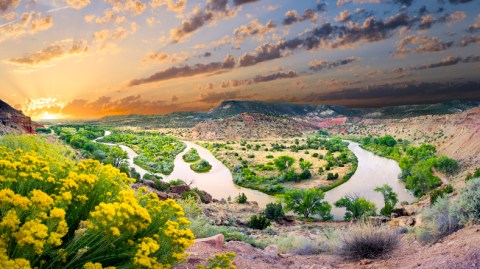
(89,59)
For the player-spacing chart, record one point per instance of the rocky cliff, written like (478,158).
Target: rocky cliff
(14,121)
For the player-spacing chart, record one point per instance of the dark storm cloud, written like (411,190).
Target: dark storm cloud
(292,17)
(405,92)
(186,71)
(448,61)
(317,65)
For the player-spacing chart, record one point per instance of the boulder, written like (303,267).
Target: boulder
(179,189)
(399,211)
(215,241)
(174,196)
(149,183)
(404,221)
(289,218)
(378,220)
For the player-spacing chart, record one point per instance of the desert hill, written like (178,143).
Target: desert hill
(14,121)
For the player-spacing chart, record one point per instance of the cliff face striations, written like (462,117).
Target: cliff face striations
(13,121)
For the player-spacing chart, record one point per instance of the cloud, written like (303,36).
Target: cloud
(340,3)
(8,4)
(78,4)
(216,97)
(242,2)
(213,10)
(55,51)
(456,2)
(467,40)
(319,65)
(292,17)
(420,44)
(343,16)
(254,28)
(106,105)
(29,23)
(448,61)
(474,27)
(175,6)
(398,93)
(163,57)
(265,52)
(186,71)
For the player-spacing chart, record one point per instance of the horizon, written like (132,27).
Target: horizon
(73,59)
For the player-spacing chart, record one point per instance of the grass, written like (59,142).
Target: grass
(364,241)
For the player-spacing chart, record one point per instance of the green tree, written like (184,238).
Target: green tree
(306,166)
(307,202)
(390,198)
(446,165)
(284,163)
(357,207)
(116,156)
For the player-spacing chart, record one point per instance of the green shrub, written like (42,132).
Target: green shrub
(357,207)
(274,211)
(223,261)
(364,241)
(191,156)
(468,205)
(258,222)
(300,245)
(201,166)
(471,176)
(269,157)
(440,192)
(440,220)
(177,182)
(315,155)
(241,198)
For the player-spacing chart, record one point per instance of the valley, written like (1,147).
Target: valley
(226,172)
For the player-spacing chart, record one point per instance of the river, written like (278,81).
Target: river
(372,171)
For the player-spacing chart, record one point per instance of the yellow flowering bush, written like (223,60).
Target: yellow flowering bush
(59,212)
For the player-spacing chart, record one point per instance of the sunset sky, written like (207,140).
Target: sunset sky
(88,59)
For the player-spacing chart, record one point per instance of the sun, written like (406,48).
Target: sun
(49,116)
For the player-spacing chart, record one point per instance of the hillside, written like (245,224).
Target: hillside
(13,121)
(316,113)
(455,135)
(251,125)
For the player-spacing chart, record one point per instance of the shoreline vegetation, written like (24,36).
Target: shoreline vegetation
(282,168)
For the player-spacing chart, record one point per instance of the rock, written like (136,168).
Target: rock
(223,201)
(404,221)
(149,183)
(399,211)
(174,196)
(179,189)
(365,262)
(207,197)
(289,218)
(378,221)
(215,241)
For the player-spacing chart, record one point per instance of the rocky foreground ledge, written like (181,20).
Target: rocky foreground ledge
(458,250)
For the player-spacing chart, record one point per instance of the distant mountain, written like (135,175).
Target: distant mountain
(315,113)
(234,107)
(13,121)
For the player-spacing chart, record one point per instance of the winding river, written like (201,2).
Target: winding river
(372,171)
